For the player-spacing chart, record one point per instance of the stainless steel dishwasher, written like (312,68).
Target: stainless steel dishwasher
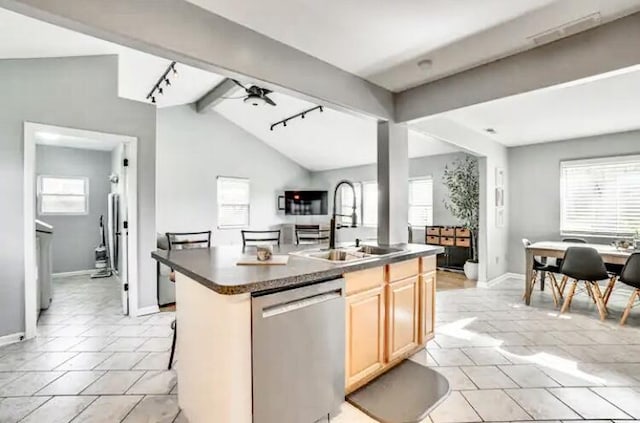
(298,353)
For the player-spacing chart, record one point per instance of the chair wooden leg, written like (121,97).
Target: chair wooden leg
(599,297)
(554,281)
(609,289)
(567,301)
(563,284)
(627,310)
(553,289)
(597,294)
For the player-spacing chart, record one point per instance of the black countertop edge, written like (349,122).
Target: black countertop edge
(292,281)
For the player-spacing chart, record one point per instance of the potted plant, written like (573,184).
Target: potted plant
(462,181)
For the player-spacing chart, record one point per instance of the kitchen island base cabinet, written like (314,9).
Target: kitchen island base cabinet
(389,317)
(402,318)
(364,334)
(427,306)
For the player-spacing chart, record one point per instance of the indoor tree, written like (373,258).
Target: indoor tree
(462,180)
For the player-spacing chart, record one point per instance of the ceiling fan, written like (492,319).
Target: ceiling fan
(256,96)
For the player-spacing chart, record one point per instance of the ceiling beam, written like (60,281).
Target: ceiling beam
(181,31)
(215,95)
(603,49)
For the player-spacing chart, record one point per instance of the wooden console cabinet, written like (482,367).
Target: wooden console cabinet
(389,317)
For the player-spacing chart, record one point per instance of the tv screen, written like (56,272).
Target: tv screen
(306,202)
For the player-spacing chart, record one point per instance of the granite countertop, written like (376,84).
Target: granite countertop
(216,267)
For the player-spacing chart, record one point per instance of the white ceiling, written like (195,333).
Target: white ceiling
(383,40)
(321,141)
(595,106)
(138,72)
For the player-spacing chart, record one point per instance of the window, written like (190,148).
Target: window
(370,203)
(346,203)
(233,202)
(63,195)
(600,196)
(421,202)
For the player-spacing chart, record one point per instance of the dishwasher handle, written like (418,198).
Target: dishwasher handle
(289,300)
(287,307)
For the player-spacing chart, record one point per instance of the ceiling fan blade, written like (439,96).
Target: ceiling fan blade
(268,100)
(240,85)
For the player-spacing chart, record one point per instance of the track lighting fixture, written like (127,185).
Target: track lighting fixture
(164,79)
(300,115)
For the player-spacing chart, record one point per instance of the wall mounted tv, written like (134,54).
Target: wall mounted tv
(306,202)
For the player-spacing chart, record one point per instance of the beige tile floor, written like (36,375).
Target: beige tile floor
(505,361)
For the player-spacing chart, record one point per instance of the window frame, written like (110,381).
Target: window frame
(633,158)
(369,224)
(429,222)
(40,194)
(220,179)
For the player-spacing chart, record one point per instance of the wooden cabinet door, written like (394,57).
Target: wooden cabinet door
(365,334)
(427,306)
(402,317)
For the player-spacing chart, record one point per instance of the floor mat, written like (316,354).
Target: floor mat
(405,394)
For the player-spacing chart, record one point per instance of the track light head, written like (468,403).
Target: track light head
(302,116)
(284,123)
(160,90)
(153,99)
(166,81)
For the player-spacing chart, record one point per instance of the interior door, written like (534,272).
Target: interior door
(124,230)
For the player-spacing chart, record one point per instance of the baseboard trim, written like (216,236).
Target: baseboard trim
(495,281)
(74,273)
(11,338)
(148,310)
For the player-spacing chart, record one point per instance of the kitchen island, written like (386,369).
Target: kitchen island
(386,315)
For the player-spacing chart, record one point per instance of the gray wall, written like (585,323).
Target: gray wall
(534,180)
(76,237)
(193,150)
(77,93)
(421,166)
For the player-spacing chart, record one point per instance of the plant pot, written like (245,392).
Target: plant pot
(471,270)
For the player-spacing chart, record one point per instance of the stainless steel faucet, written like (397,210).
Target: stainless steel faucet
(353,216)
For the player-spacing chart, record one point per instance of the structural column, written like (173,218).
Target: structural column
(393,183)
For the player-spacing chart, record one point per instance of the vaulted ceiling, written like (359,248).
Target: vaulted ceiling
(382,48)
(383,41)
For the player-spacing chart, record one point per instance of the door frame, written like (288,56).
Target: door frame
(29,208)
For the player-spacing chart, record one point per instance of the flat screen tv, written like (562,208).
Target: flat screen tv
(306,202)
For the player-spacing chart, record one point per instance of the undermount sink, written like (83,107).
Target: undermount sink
(349,254)
(375,250)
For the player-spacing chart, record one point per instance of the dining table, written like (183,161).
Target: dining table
(556,249)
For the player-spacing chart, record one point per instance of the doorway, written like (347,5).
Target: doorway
(71,196)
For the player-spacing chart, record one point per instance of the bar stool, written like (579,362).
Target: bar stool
(180,241)
(253,238)
(584,264)
(630,275)
(549,269)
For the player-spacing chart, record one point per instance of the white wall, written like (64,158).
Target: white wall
(194,149)
(534,178)
(420,166)
(77,92)
(75,237)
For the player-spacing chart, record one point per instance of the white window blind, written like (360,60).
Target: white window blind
(63,195)
(421,202)
(370,203)
(233,202)
(600,196)
(346,203)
